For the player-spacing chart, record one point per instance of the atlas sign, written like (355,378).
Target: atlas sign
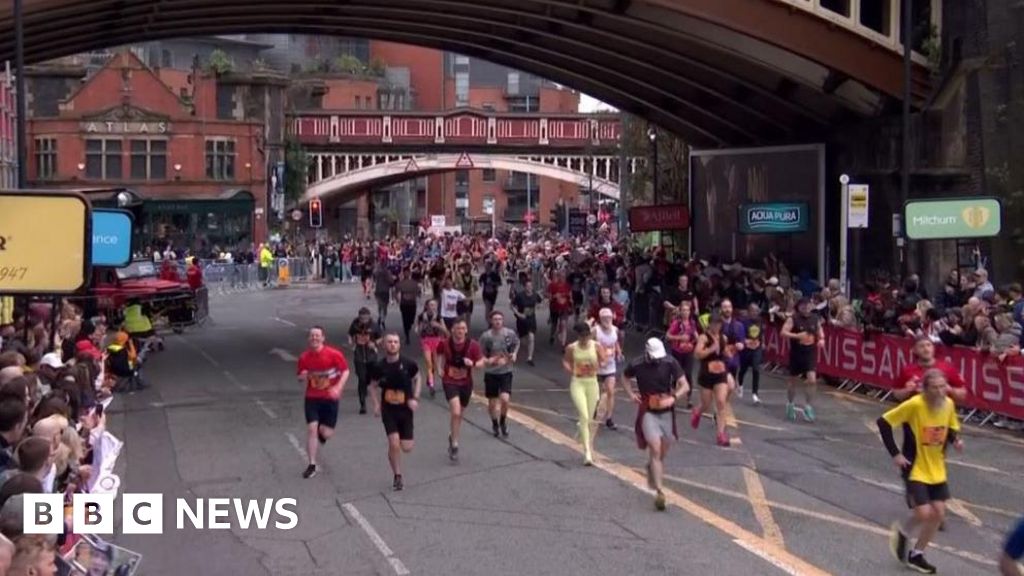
(659,218)
(126,127)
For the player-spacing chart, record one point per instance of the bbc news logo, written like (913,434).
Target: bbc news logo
(144,513)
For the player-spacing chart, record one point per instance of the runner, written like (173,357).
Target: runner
(933,424)
(383,285)
(500,347)
(908,382)
(609,338)
(432,332)
(660,382)
(398,380)
(714,378)
(467,284)
(451,300)
(807,335)
(735,334)
(581,361)
(459,355)
(363,336)
(490,284)
(560,298)
(752,354)
(364,267)
(324,371)
(682,340)
(524,307)
(1013,551)
(408,292)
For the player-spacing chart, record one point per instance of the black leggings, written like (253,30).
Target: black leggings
(408,317)
(751,360)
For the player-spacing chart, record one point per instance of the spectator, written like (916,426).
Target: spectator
(979,280)
(12,427)
(34,555)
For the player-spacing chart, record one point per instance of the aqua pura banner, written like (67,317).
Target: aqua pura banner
(774,218)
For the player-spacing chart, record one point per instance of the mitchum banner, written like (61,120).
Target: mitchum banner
(774,218)
(953,218)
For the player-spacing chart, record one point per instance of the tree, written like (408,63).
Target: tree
(219,63)
(296,165)
(349,64)
(673,162)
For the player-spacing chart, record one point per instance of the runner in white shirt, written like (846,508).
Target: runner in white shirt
(607,336)
(450,299)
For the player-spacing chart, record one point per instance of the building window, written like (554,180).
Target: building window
(220,159)
(103,159)
(513,83)
(166,59)
(462,178)
(46,158)
(149,159)
(490,175)
(462,88)
(358,102)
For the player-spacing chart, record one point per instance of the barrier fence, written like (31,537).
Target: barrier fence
(858,359)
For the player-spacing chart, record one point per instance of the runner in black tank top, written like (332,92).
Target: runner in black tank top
(713,377)
(806,337)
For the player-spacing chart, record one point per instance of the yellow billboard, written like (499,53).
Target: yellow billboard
(44,242)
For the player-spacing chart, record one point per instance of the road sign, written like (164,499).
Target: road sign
(437,221)
(296,215)
(591,219)
(488,206)
(44,259)
(857,211)
(412,166)
(464,161)
(960,218)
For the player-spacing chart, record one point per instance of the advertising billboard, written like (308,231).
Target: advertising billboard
(661,218)
(44,242)
(774,218)
(953,218)
(111,238)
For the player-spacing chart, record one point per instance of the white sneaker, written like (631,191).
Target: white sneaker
(756,400)
(739,391)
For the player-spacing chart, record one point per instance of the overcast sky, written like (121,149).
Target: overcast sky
(588,104)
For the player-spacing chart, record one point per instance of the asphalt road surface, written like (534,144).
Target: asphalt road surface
(224,419)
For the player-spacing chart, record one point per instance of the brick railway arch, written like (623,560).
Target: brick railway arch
(350,184)
(717,72)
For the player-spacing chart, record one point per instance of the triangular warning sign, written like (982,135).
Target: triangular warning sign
(464,161)
(412,166)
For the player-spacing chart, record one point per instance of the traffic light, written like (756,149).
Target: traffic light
(316,214)
(558,217)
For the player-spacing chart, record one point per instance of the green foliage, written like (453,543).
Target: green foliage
(931,48)
(219,63)
(673,162)
(349,64)
(377,67)
(296,165)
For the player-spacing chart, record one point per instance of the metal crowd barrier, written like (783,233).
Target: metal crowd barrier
(233,278)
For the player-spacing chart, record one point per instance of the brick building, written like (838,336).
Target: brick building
(8,133)
(193,150)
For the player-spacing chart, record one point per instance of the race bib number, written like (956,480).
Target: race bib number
(661,402)
(933,436)
(586,370)
(457,373)
(807,339)
(716,367)
(451,307)
(395,397)
(319,381)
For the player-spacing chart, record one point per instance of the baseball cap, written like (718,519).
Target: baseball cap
(655,349)
(52,360)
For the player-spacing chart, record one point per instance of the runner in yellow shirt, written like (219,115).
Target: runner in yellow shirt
(931,424)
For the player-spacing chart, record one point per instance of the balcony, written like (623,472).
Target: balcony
(516,214)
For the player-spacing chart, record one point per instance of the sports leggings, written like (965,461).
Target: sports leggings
(585,393)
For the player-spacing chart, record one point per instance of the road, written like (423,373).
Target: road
(224,419)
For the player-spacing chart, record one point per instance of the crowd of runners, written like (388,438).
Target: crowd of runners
(714,339)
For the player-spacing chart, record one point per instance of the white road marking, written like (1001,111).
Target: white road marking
(297,445)
(883,485)
(286,322)
(767,557)
(283,354)
(379,542)
(209,358)
(266,409)
(241,386)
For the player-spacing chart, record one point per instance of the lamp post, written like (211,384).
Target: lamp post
(652,135)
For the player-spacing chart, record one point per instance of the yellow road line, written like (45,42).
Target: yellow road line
(763,512)
(766,549)
(958,507)
(856,524)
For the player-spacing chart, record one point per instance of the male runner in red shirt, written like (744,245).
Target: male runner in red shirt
(910,379)
(325,371)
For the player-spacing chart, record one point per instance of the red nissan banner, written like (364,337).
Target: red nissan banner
(876,360)
(659,218)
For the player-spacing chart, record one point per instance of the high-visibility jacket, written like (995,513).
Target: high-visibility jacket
(266,258)
(135,322)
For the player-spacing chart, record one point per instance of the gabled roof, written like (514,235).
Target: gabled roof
(130,100)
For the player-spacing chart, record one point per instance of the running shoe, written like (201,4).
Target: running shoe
(504,429)
(790,411)
(310,471)
(362,409)
(610,424)
(453,450)
(495,429)
(530,362)
(739,391)
(809,413)
(588,460)
(659,502)
(433,391)
(695,418)
(898,543)
(754,398)
(917,562)
(398,484)
(723,440)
